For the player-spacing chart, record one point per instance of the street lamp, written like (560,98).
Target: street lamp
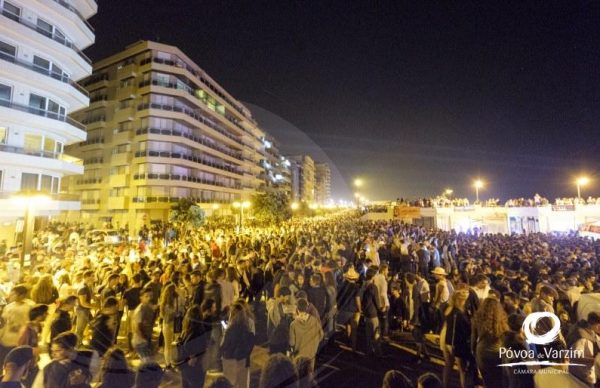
(295,206)
(448,192)
(478,185)
(358,182)
(30,201)
(241,205)
(581,181)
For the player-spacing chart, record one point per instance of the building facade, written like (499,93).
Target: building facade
(322,183)
(40,60)
(160,129)
(302,172)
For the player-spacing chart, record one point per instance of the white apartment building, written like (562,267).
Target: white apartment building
(40,60)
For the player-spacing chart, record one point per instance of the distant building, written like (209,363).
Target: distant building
(276,174)
(41,57)
(322,183)
(161,129)
(303,178)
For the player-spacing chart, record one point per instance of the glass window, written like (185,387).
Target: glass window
(44,27)
(5,92)
(3,135)
(29,181)
(7,51)
(55,185)
(11,11)
(46,183)
(48,144)
(33,142)
(38,103)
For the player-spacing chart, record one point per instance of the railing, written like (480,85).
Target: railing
(94,79)
(92,201)
(182,64)
(191,158)
(98,160)
(89,181)
(95,140)
(41,70)
(54,37)
(40,153)
(189,91)
(24,194)
(41,112)
(193,115)
(91,120)
(98,98)
(76,12)
(196,139)
(176,199)
(184,178)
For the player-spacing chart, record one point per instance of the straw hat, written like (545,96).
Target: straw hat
(439,271)
(351,274)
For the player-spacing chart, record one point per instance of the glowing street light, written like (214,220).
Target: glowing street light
(358,182)
(581,181)
(448,192)
(295,206)
(30,201)
(478,185)
(241,205)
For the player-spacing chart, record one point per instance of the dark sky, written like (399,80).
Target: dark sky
(412,96)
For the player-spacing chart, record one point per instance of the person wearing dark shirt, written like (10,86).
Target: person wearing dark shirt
(84,306)
(398,314)
(110,289)
(62,350)
(212,290)
(370,309)
(155,285)
(62,317)
(199,284)
(131,297)
(103,326)
(317,295)
(16,365)
(348,301)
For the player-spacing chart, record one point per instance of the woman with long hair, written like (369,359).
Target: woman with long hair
(169,308)
(64,286)
(194,339)
(237,345)
(115,371)
(490,323)
(455,336)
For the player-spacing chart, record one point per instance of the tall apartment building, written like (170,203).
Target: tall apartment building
(303,178)
(161,129)
(322,183)
(276,172)
(40,60)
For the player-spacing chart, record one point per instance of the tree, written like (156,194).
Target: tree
(271,207)
(185,214)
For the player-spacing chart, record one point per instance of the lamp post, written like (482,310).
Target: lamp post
(30,201)
(581,181)
(241,205)
(448,192)
(478,185)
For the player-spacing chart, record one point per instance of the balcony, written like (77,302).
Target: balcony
(126,71)
(118,203)
(90,204)
(76,12)
(60,39)
(37,69)
(40,153)
(42,112)
(121,159)
(183,178)
(191,114)
(119,180)
(89,181)
(196,139)
(191,158)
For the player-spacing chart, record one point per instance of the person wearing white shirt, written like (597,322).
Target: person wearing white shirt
(380,280)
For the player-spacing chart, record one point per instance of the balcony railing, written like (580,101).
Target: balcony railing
(142,199)
(41,112)
(196,139)
(41,70)
(53,196)
(89,181)
(184,178)
(191,158)
(76,12)
(40,153)
(57,38)
(191,114)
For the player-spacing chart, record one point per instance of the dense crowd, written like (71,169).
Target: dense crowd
(207,298)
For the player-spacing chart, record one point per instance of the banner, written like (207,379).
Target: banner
(407,212)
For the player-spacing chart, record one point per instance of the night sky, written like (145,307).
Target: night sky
(411,96)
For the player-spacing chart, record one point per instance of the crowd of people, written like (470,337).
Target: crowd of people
(207,298)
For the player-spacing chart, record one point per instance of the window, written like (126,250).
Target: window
(1,176)
(45,28)
(42,105)
(3,135)
(41,65)
(46,184)
(7,51)
(38,103)
(11,11)
(33,142)
(5,92)
(29,181)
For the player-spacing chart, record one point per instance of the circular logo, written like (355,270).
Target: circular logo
(530,324)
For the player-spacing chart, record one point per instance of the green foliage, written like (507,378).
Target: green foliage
(271,207)
(185,214)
